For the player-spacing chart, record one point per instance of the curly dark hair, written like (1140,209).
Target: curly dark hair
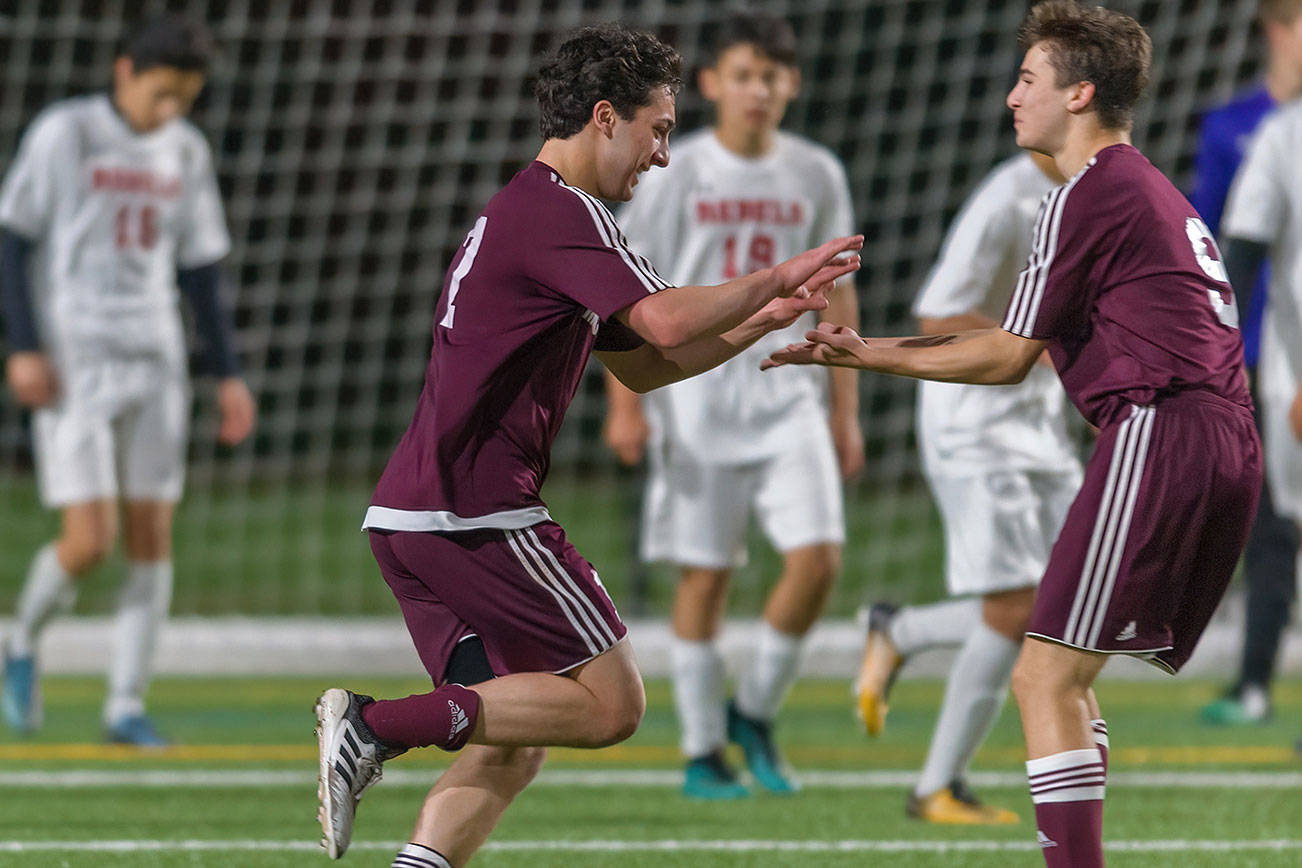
(610,62)
(1089,43)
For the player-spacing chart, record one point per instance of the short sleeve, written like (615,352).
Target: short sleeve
(977,245)
(1051,297)
(587,259)
(1257,204)
(836,218)
(203,238)
(33,184)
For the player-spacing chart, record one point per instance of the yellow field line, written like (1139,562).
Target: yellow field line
(808,757)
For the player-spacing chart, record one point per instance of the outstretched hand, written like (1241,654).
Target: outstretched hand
(816,270)
(829,344)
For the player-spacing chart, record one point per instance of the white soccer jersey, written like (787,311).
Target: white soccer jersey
(966,429)
(1265,205)
(114,213)
(710,216)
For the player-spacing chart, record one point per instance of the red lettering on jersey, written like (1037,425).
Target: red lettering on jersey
(136,181)
(772,211)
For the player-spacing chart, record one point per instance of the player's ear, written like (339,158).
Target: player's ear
(707,80)
(604,116)
(793,81)
(1080,96)
(122,69)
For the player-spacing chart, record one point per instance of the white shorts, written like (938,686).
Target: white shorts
(696,514)
(118,429)
(1000,526)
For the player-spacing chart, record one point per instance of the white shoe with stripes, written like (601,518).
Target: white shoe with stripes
(351,757)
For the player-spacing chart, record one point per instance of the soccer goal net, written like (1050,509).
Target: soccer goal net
(355,143)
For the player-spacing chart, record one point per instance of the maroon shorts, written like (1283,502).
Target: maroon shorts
(1151,541)
(529,596)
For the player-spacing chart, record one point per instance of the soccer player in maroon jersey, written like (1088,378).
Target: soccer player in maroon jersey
(523,644)
(1125,288)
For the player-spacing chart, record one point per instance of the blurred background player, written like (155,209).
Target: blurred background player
(521,640)
(737,198)
(1003,469)
(110,205)
(1263,218)
(1126,290)
(1270,560)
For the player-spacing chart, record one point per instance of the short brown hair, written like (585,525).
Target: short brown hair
(1089,43)
(1283,11)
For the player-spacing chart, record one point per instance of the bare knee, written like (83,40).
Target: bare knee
(1008,613)
(87,540)
(621,719)
(512,768)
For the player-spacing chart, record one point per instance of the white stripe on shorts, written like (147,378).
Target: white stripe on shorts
(512,537)
(605,636)
(1111,527)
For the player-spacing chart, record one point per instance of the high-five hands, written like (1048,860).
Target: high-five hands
(829,344)
(816,270)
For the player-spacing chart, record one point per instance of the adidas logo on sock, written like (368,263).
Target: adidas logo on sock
(459,719)
(1044,840)
(1127,633)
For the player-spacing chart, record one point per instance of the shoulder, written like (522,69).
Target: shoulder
(59,119)
(1283,124)
(810,154)
(538,198)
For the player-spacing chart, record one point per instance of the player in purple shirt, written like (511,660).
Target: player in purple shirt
(1125,288)
(493,594)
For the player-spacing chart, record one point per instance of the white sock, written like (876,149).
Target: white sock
(420,856)
(698,695)
(762,688)
(48,591)
(974,693)
(142,607)
(919,628)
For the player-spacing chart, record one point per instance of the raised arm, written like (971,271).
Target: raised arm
(679,316)
(649,367)
(989,356)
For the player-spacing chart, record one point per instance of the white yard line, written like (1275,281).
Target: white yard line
(659,846)
(610,778)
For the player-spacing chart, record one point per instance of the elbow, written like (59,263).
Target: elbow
(660,325)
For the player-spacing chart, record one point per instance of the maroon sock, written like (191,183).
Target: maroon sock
(1067,789)
(1100,727)
(444,718)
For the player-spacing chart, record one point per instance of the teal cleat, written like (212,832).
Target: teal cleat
(709,778)
(756,740)
(136,730)
(20,700)
(1247,706)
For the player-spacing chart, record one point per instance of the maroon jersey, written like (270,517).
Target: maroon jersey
(1125,283)
(523,301)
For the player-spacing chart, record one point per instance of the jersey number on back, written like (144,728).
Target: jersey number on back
(1209,260)
(471,244)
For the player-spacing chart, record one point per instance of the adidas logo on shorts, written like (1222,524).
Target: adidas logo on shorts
(1127,633)
(459,719)
(1044,840)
